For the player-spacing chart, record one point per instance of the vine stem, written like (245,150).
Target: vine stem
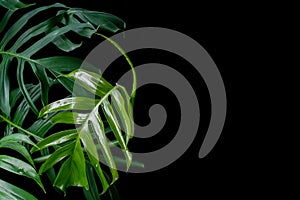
(20,128)
(117,46)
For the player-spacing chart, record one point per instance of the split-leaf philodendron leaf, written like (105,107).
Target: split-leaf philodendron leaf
(81,152)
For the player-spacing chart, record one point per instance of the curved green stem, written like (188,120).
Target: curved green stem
(127,59)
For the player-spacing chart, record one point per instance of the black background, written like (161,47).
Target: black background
(234,168)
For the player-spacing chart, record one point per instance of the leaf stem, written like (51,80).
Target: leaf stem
(20,128)
(128,60)
(18,56)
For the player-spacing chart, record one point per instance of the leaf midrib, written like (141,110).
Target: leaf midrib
(22,57)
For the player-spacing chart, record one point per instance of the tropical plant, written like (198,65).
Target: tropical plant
(68,156)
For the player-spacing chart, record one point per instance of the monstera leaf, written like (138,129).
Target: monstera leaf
(84,112)
(100,123)
(53,30)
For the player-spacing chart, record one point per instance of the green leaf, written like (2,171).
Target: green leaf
(13,4)
(23,108)
(77,103)
(11,192)
(92,193)
(5,19)
(19,167)
(22,86)
(96,165)
(91,81)
(94,126)
(44,80)
(63,43)
(16,94)
(18,25)
(4,85)
(57,156)
(114,124)
(17,147)
(55,139)
(73,171)
(60,63)
(121,103)
(69,118)
(104,21)
(80,111)
(91,129)
(17,137)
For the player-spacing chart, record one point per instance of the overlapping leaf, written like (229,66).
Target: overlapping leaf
(17,166)
(53,31)
(91,131)
(78,150)
(11,192)
(13,4)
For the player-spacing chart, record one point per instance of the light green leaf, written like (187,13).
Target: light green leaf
(57,156)
(91,81)
(114,124)
(121,103)
(55,139)
(77,103)
(73,171)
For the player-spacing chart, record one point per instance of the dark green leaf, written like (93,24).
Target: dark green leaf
(34,31)
(19,148)
(19,167)
(5,19)
(4,85)
(11,192)
(44,82)
(23,109)
(104,21)
(92,193)
(63,43)
(16,94)
(96,165)
(60,63)
(49,38)
(13,4)
(16,27)
(22,86)
(17,137)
